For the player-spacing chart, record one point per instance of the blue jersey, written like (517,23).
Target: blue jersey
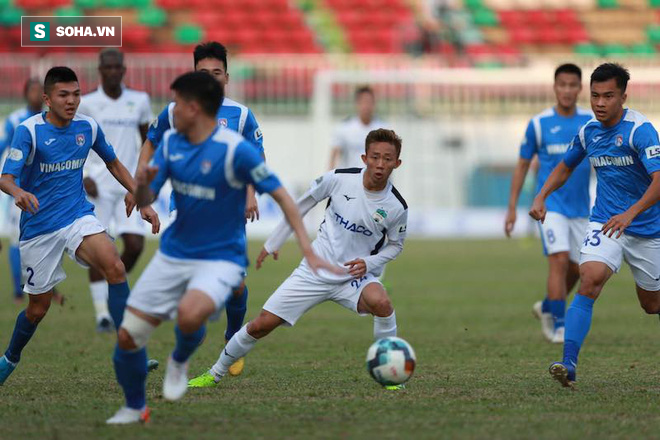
(12,122)
(231,114)
(208,182)
(624,156)
(49,161)
(549,135)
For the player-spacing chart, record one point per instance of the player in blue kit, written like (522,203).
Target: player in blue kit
(548,136)
(47,154)
(623,147)
(202,256)
(212,58)
(32,92)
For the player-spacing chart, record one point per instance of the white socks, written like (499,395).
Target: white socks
(99,291)
(384,327)
(239,345)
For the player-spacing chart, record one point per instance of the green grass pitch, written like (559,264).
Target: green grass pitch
(463,305)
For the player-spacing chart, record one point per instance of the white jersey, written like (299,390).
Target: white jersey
(120,119)
(357,224)
(350,135)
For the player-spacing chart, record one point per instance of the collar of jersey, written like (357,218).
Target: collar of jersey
(66,127)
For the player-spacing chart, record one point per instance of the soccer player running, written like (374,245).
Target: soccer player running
(349,136)
(124,115)
(32,92)
(548,135)
(623,146)
(202,256)
(48,153)
(211,58)
(364,228)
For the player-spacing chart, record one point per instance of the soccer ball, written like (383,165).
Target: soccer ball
(391,361)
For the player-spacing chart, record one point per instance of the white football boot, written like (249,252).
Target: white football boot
(127,415)
(547,322)
(175,384)
(558,337)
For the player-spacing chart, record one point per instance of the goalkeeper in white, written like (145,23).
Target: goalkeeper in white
(364,228)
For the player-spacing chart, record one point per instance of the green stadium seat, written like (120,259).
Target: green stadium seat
(608,4)
(653,33)
(152,17)
(86,4)
(587,49)
(643,50)
(11,16)
(69,14)
(188,34)
(654,3)
(615,50)
(485,17)
(473,4)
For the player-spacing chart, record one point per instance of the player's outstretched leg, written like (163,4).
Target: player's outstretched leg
(130,362)
(239,346)
(26,325)
(194,309)
(593,276)
(15,266)
(236,309)
(374,300)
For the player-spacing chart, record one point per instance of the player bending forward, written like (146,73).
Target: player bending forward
(202,256)
(365,211)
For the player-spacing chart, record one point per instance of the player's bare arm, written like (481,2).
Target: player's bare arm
(557,178)
(123,176)
(251,204)
(335,154)
(146,153)
(519,175)
(618,223)
(23,199)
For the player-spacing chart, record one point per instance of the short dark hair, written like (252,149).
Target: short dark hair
(607,71)
(383,135)
(29,83)
(364,89)
(211,49)
(111,51)
(569,68)
(57,75)
(201,88)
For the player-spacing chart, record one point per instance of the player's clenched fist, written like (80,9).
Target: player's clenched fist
(538,210)
(26,201)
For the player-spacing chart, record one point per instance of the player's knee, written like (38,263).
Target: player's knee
(115,272)
(591,282)
(133,246)
(134,332)
(264,324)
(189,322)
(651,308)
(382,307)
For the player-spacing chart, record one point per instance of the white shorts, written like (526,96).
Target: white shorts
(562,234)
(13,222)
(302,291)
(41,256)
(165,280)
(641,254)
(111,212)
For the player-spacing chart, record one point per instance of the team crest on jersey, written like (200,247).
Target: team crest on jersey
(380,215)
(206,166)
(80,139)
(222,122)
(618,141)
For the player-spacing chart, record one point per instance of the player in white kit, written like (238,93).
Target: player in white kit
(124,115)
(364,228)
(349,136)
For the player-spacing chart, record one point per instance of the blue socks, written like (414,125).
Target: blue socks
(131,372)
(15,266)
(558,311)
(236,309)
(578,322)
(545,305)
(186,344)
(23,331)
(117,298)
